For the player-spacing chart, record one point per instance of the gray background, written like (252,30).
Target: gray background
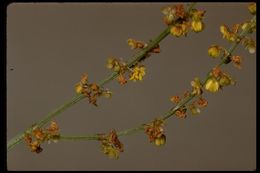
(49,46)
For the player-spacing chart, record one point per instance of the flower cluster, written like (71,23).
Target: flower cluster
(196,87)
(182,21)
(137,72)
(252,8)
(91,90)
(155,132)
(195,106)
(249,44)
(38,136)
(217,79)
(231,33)
(110,145)
(181,112)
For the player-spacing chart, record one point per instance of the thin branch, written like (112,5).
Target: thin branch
(136,58)
(172,110)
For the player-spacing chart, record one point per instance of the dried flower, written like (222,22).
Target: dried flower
(196,86)
(121,79)
(227,34)
(156,49)
(111,146)
(134,44)
(179,11)
(53,128)
(216,72)
(180,29)
(194,110)
(110,151)
(236,61)
(36,147)
(138,73)
(202,102)
(172,13)
(181,112)
(39,134)
(197,15)
(83,82)
(155,131)
(175,99)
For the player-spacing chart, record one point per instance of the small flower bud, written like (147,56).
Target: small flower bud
(252,8)
(116,68)
(110,63)
(224,81)
(214,51)
(176,31)
(78,89)
(212,85)
(197,26)
(251,49)
(194,110)
(245,25)
(107,94)
(160,140)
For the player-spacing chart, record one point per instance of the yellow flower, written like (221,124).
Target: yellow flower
(196,86)
(197,26)
(197,14)
(110,151)
(110,63)
(107,94)
(78,88)
(230,36)
(177,30)
(135,44)
(214,51)
(138,73)
(252,8)
(225,80)
(212,85)
(194,110)
(121,79)
(161,140)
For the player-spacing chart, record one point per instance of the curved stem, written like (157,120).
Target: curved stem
(172,110)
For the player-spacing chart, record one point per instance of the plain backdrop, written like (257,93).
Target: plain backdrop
(50,45)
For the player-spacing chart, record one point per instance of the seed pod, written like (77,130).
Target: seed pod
(212,85)
(160,140)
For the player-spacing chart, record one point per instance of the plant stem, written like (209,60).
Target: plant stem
(136,58)
(172,110)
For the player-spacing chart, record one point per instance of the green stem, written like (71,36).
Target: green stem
(172,110)
(136,58)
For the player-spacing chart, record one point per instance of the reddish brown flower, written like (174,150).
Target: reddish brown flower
(202,102)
